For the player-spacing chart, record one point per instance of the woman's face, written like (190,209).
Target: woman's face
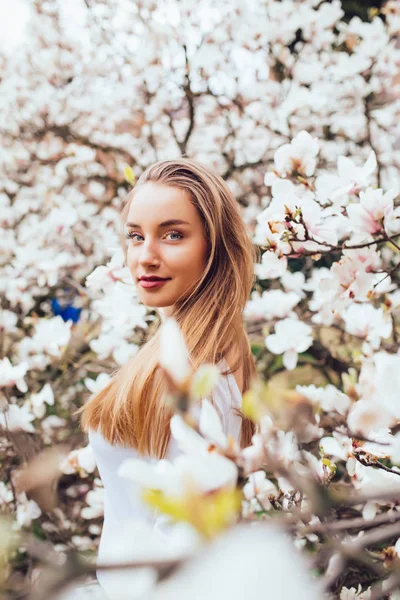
(158,247)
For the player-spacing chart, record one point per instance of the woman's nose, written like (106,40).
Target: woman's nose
(148,254)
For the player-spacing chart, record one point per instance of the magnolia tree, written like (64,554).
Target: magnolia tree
(299,111)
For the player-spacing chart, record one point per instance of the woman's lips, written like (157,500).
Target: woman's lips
(152,284)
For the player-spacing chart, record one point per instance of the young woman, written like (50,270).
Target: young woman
(191,257)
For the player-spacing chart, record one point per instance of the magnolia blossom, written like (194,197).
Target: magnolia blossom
(6,494)
(80,461)
(366,416)
(51,335)
(105,276)
(271,304)
(299,155)
(17,417)
(95,385)
(261,551)
(10,375)
(37,402)
(175,361)
(139,542)
(340,446)
(271,267)
(350,279)
(261,489)
(95,501)
(329,398)
(370,214)
(354,177)
(379,382)
(206,472)
(367,322)
(291,337)
(355,593)
(27,510)
(210,428)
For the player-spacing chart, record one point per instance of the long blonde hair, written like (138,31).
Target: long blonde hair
(130,409)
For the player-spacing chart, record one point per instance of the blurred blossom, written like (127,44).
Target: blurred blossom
(95,385)
(261,551)
(13,375)
(27,510)
(37,402)
(291,337)
(80,461)
(16,418)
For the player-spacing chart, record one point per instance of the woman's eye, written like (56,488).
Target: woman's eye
(175,233)
(132,235)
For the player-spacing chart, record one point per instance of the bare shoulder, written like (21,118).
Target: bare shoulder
(231,357)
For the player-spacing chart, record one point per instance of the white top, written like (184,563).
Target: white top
(121,500)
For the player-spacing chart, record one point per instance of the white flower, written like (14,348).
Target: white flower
(365,321)
(80,461)
(291,337)
(263,552)
(354,177)
(379,382)
(366,416)
(299,155)
(6,494)
(52,335)
(207,472)
(105,276)
(138,541)
(354,594)
(8,321)
(36,402)
(329,398)
(271,267)
(174,357)
(16,418)
(95,385)
(27,510)
(271,304)
(10,375)
(260,488)
(211,430)
(95,500)
(370,213)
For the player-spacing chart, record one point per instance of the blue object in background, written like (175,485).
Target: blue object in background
(67,312)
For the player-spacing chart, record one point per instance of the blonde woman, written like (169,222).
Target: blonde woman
(191,257)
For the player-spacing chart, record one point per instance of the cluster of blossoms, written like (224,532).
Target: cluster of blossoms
(299,111)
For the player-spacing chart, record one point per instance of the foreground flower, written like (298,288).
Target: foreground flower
(261,551)
(174,357)
(139,542)
(211,430)
(203,472)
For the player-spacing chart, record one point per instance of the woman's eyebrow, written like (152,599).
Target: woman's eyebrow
(163,224)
